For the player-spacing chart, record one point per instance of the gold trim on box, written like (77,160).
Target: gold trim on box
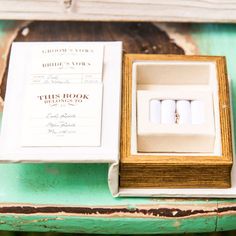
(151,171)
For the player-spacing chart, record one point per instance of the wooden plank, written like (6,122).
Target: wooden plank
(107,225)
(114,10)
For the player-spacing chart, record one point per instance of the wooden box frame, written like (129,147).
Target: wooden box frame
(175,171)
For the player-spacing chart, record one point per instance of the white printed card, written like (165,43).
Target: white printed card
(65,116)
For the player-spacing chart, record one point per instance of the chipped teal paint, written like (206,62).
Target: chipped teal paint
(70,184)
(226,222)
(105,225)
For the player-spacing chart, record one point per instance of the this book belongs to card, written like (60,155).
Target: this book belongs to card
(62,115)
(57,106)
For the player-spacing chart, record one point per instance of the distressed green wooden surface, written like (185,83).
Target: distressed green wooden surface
(104,225)
(76,185)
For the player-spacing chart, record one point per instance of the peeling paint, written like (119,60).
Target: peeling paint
(180,34)
(108,211)
(227,210)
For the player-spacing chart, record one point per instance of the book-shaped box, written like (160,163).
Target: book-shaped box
(62,103)
(176,128)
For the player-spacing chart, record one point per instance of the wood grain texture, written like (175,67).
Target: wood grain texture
(170,171)
(125,10)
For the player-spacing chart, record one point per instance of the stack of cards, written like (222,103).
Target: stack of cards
(63,96)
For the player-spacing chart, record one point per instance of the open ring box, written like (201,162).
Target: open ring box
(175,155)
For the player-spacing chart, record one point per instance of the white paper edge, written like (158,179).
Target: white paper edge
(113,179)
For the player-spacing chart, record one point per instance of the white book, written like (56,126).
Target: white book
(62,102)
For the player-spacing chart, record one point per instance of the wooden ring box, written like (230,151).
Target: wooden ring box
(209,167)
